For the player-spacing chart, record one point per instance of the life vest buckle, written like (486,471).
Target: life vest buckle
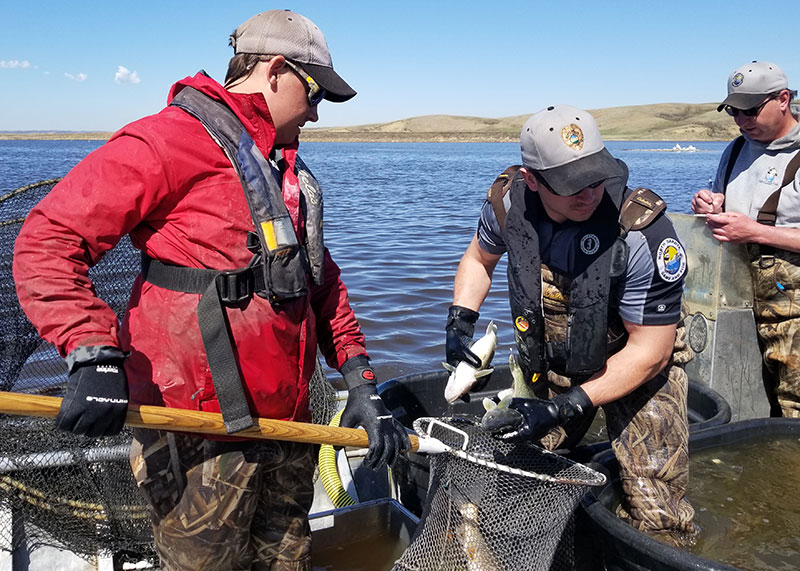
(235,286)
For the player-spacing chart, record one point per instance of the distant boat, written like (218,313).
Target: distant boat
(678,149)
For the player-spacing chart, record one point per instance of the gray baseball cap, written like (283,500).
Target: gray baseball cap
(562,144)
(750,84)
(295,37)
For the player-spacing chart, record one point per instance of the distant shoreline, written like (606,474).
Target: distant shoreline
(662,122)
(656,122)
(56,136)
(352,137)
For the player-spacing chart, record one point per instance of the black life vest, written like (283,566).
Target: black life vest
(599,255)
(280,267)
(285,264)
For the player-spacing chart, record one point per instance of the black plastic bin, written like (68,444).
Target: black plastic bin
(627,549)
(415,396)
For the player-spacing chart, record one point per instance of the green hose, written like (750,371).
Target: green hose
(329,474)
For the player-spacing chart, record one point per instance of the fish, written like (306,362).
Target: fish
(465,375)
(498,415)
(478,554)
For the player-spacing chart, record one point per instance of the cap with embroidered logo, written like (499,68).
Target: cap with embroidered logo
(563,145)
(295,37)
(750,84)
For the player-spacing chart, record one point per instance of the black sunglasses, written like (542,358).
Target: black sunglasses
(753,111)
(550,188)
(315,92)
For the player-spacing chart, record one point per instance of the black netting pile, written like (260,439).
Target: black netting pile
(58,489)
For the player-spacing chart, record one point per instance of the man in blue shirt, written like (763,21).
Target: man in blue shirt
(595,273)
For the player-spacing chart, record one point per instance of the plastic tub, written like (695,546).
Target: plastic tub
(414,396)
(626,549)
(369,535)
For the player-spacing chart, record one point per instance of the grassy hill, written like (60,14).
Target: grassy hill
(657,122)
(665,122)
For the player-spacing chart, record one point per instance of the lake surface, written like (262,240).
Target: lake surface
(398,217)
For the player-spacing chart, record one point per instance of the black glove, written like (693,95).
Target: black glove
(460,327)
(387,437)
(97,395)
(540,416)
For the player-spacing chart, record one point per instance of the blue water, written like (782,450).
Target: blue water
(398,217)
(25,162)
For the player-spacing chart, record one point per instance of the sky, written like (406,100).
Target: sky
(95,66)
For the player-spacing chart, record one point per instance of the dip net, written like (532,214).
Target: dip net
(494,505)
(58,489)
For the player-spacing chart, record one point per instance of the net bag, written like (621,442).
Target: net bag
(58,489)
(494,505)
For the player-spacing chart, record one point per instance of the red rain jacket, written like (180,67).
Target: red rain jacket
(164,181)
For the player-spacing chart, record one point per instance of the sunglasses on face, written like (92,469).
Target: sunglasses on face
(550,188)
(315,92)
(753,111)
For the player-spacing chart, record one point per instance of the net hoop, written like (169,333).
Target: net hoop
(459,442)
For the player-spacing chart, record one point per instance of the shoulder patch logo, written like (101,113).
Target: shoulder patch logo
(671,260)
(590,243)
(572,136)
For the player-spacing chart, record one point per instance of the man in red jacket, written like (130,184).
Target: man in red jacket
(237,291)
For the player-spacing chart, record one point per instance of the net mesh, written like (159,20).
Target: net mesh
(495,505)
(58,489)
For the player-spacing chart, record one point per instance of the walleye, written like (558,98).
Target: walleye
(498,414)
(464,375)
(478,554)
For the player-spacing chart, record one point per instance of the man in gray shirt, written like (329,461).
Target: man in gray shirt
(755,200)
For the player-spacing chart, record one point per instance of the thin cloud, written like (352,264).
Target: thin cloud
(126,76)
(79,77)
(14,64)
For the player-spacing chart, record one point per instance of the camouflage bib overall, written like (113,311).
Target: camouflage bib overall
(648,428)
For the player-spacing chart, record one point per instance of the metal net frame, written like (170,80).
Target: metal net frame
(495,505)
(58,489)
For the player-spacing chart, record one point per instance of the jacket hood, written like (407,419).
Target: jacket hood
(790,139)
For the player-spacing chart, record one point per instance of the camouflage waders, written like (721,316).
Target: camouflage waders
(776,292)
(649,433)
(226,505)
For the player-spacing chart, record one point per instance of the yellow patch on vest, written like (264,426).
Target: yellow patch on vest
(269,234)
